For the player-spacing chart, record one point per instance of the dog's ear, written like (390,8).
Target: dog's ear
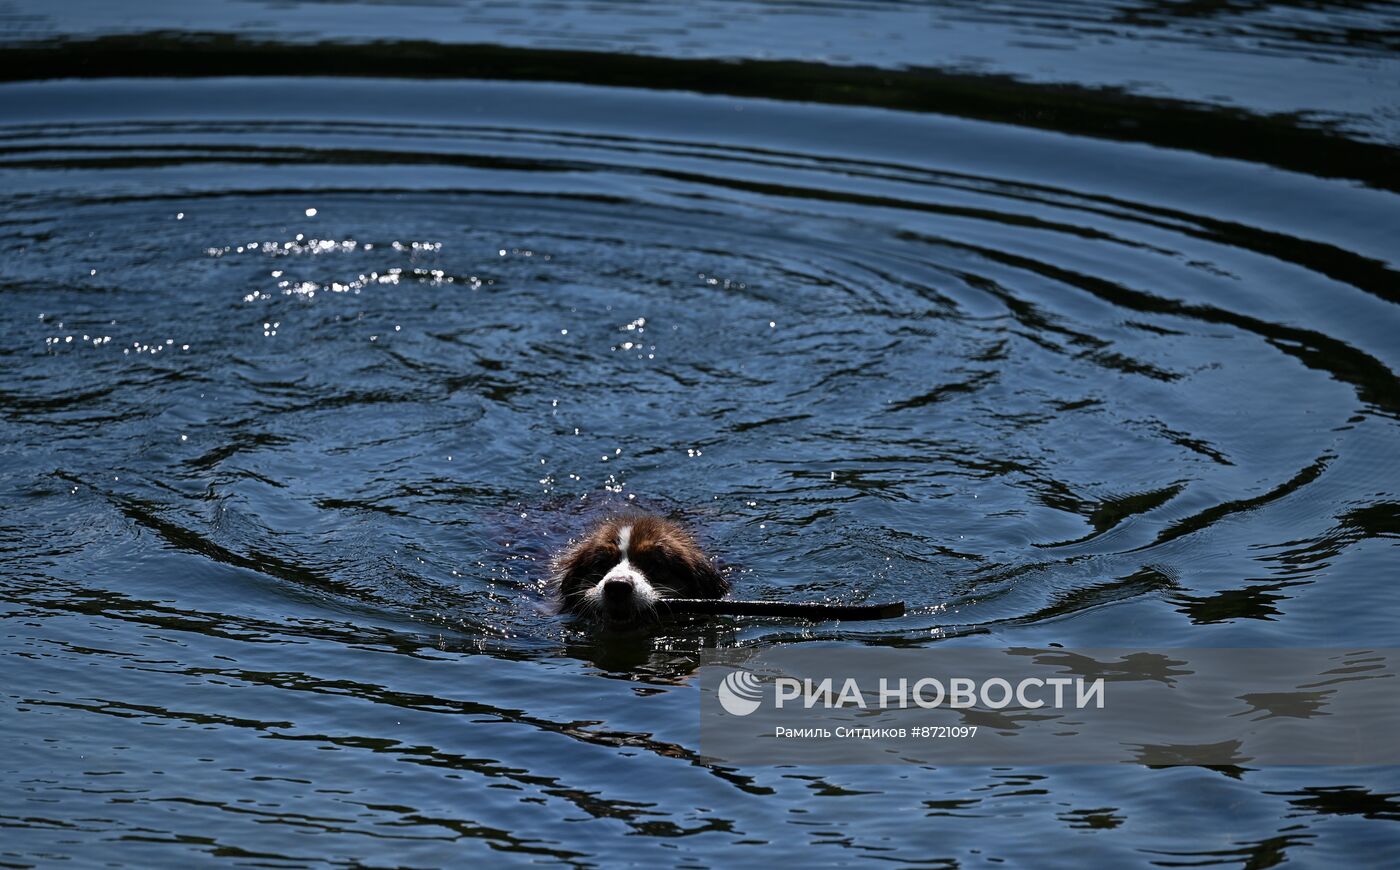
(703,578)
(576,570)
(710,583)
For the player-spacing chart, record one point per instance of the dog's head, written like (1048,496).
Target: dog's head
(624,565)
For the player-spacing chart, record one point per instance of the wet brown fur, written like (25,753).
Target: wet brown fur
(664,552)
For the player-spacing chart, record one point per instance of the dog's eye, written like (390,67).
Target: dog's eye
(645,560)
(601,562)
(590,565)
(656,564)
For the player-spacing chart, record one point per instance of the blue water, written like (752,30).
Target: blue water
(324,324)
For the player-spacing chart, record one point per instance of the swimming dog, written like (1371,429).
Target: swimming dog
(624,565)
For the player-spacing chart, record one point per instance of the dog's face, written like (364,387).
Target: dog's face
(624,565)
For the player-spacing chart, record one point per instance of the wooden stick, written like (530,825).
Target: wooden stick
(813,611)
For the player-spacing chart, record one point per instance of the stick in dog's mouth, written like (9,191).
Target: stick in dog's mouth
(633,569)
(814,611)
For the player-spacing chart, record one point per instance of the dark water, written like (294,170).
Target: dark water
(314,349)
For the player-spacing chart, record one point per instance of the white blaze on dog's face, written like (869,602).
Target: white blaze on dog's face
(624,566)
(624,590)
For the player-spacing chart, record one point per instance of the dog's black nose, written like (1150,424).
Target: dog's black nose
(617,590)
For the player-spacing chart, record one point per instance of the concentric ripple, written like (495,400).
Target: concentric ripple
(312,376)
(356,354)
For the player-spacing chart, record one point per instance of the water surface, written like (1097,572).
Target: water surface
(306,375)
